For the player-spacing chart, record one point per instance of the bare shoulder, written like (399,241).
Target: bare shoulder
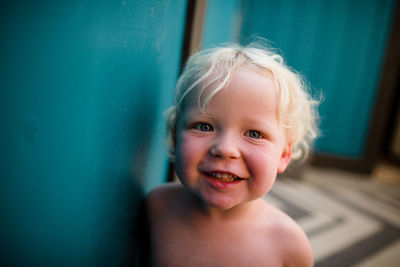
(161,198)
(294,246)
(164,191)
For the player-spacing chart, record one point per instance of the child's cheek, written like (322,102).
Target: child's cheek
(189,146)
(262,164)
(185,147)
(188,157)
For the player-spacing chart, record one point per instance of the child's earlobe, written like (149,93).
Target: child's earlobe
(285,157)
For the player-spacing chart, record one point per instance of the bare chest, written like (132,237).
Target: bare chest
(177,245)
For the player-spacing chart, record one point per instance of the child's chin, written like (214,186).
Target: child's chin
(222,205)
(216,201)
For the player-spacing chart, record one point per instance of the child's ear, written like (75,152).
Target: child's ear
(285,157)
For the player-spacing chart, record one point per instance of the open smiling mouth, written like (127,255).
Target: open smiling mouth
(224,177)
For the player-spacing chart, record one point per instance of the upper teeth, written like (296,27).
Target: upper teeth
(222,175)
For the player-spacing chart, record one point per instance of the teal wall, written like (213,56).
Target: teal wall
(222,22)
(82,89)
(339,46)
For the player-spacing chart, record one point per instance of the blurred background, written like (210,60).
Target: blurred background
(83,87)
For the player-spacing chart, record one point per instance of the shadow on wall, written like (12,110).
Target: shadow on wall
(127,148)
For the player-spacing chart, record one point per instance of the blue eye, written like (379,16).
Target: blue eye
(204,127)
(254,134)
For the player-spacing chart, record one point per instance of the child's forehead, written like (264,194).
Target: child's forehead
(202,95)
(211,84)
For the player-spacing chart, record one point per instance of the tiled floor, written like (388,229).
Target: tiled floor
(350,220)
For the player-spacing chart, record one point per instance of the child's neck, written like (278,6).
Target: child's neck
(238,212)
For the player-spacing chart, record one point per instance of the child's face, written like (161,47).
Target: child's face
(232,154)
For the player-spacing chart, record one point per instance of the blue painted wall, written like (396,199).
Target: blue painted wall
(222,22)
(82,89)
(339,46)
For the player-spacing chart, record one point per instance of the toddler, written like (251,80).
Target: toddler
(240,116)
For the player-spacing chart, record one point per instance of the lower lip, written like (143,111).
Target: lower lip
(222,185)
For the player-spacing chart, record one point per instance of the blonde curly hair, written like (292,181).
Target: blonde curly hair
(212,69)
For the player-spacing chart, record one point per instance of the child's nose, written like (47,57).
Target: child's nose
(225,146)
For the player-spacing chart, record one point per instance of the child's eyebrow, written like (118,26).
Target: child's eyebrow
(196,113)
(190,116)
(259,124)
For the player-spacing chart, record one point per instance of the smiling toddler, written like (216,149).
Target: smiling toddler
(240,116)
